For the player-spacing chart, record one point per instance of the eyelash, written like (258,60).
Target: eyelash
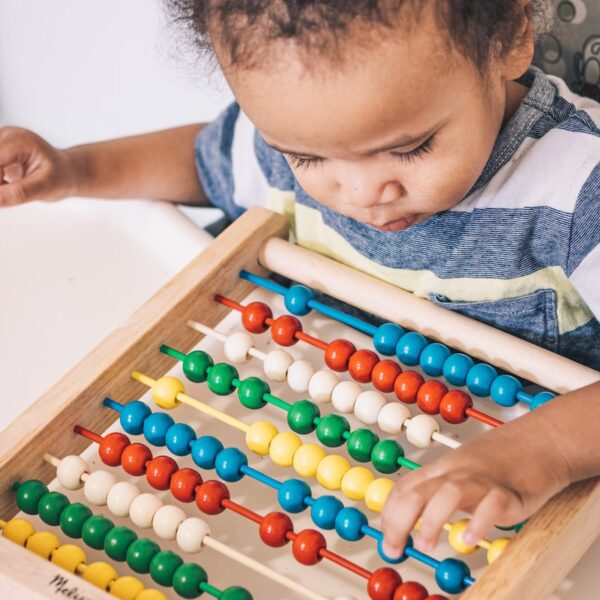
(300,162)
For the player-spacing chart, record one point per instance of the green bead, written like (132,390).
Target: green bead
(140,554)
(385,456)
(235,593)
(29,494)
(301,417)
(94,531)
(73,517)
(163,567)
(220,379)
(196,366)
(51,507)
(331,429)
(361,443)
(187,579)
(251,392)
(117,542)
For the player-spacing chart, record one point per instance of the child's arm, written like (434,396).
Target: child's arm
(501,477)
(158,165)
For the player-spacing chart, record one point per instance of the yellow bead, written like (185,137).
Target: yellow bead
(307,459)
(331,470)
(18,531)
(68,557)
(43,543)
(377,492)
(165,390)
(126,587)
(260,435)
(455,537)
(283,447)
(150,595)
(100,574)
(496,548)
(355,482)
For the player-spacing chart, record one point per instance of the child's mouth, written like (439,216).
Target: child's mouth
(398,225)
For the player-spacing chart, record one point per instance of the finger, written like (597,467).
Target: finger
(30,188)
(497,505)
(11,173)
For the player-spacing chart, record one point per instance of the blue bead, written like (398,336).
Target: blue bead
(541,398)
(179,437)
(324,511)
(349,523)
(390,560)
(386,338)
(297,298)
(155,428)
(450,575)
(409,348)
(456,368)
(504,390)
(291,495)
(229,463)
(133,416)
(480,378)
(433,357)
(205,450)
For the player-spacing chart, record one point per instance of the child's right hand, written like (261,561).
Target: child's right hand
(32,169)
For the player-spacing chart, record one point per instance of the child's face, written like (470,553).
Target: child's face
(401,130)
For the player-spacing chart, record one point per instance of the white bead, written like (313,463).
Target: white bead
(236,347)
(392,416)
(190,534)
(97,486)
(69,471)
(420,429)
(120,497)
(276,364)
(166,521)
(367,406)
(344,396)
(344,598)
(299,374)
(143,508)
(321,384)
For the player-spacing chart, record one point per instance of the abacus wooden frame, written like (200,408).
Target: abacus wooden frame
(544,551)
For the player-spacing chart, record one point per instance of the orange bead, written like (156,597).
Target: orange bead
(183,484)
(274,529)
(338,354)
(361,365)
(159,472)
(210,496)
(307,546)
(284,330)
(384,375)
(111,448)
(255,316)
(407,385)
(134,459)
(454,405)
(410,590)
(383,583)
(430,396)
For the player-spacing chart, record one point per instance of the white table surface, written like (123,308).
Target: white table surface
(71,272)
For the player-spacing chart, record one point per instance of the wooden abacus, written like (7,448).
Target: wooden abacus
(532,566)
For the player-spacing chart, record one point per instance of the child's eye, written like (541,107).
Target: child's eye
(299,162)
(411,155)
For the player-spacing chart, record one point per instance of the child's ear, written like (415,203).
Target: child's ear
(517,58)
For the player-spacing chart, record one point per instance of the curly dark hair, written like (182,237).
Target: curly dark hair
(244,28)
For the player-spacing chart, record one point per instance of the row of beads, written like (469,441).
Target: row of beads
(432,396)
(73,559)
(142,555)
(412,348)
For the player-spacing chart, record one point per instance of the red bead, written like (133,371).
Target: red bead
(210,495)
(436,597)
(383,583)
(255,316)
(134,459)
(159,472)
(361,365)
(384,375)
(407,385)
(307,546)
(338,353)
(430,395)
(410,590)
(111,448)
(453,406)
(184,483)
(274,528)
(284,330)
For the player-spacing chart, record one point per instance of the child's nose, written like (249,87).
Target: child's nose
(368,192)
